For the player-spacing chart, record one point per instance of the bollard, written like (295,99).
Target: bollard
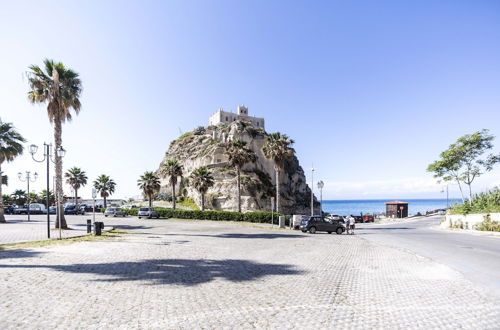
(89,226)
(281,221)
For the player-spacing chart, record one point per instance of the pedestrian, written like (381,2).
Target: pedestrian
(347,223)
(353,223)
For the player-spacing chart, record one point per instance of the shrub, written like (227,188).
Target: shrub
(485,202)
(488,225)
(257,217)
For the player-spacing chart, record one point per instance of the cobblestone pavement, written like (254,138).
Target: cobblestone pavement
(168,274)
(18,229)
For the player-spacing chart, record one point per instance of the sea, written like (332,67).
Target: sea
(377,206)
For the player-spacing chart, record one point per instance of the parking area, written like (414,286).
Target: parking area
(204,274)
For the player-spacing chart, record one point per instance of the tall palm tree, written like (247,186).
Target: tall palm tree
(42,196)
(60,88)
(10,147)
(202,180)
(149,183)
(239,155)
(278,148)
(76,178)
(172,169)
(105,186)
(20,197)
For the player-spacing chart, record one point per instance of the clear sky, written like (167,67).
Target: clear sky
(371,91)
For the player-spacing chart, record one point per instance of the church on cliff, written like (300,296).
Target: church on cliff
(222,116)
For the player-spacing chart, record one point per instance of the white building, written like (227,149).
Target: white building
(222,116)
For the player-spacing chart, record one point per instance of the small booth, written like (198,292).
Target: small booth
(396,209)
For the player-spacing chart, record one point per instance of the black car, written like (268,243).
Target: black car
(10,210)
(72,209)
(317,223)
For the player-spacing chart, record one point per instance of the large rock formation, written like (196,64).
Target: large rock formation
(206,147)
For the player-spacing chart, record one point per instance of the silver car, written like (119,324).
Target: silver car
(115,212)
(148,212)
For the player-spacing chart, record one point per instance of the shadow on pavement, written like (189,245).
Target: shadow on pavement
(391,228)
(185,272)
(234,235)
(21,253)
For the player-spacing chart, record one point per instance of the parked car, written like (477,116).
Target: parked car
(129,207)
(114,212)
(52,210)
(72,209)
(368,218)
(317,223)
(337,217)
(357,218)
(10,210)
(148,212)
(21,209)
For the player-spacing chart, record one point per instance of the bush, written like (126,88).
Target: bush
(488,225)
(257,217)
(132,212)
(485,202)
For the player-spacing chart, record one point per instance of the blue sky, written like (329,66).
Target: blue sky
(371,91)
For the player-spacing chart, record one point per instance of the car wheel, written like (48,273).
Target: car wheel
(339,231)
(329,232)
(304,231)
(312,230)
(139,217)
(106,216)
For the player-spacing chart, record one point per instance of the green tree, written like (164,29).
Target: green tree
(150,185)
(19,197)
(202,180)
(42,198)
(239,155)
(463,162)
(76,178)
(172,169)
(11,146)
(60,88)
(105,186)
(7,199)
(278,148)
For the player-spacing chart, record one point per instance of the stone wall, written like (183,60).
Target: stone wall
(469,221)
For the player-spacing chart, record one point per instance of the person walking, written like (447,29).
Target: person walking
(353,224)
(347,224)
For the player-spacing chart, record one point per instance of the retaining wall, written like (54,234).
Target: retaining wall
(469,221)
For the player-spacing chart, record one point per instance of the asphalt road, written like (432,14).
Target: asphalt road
(476,257)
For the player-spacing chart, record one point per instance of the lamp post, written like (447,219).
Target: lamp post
(321,184)
(47,155)
(447,197)
(312,193)
(94,195)
(28,179)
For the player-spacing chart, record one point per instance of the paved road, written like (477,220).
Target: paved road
(476,257)
(168,274)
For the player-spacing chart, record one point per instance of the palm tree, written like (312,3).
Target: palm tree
(76,178)
(278,148)
(172,169)
(239,155)
(60,88)
(150,185)
(105,186)
(42,197)
(202,180)
(19,196)
(10,147)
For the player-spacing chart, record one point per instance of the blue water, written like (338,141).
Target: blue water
(377,206)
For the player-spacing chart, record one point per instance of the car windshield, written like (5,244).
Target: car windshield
(144,209)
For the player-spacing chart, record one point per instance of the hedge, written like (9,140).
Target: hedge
(258,216)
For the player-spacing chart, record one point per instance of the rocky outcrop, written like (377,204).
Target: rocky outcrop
(205,146)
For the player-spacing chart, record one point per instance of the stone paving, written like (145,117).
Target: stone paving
(168,274)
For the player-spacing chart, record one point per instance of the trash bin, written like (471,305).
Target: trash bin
(89,226)
(99,226)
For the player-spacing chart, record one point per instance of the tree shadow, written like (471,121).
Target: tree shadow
(18,253)
(391,228)
(186,272)
(246,236)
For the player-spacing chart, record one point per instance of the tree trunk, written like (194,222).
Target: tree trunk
(461,191)
(150,201)
(202,201)
(59,188)
(173,195)
(2,217)
(105,204)
(239,188)
(76,198)
(470,193)
(277,190)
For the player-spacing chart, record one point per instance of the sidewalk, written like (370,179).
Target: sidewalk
(18,230)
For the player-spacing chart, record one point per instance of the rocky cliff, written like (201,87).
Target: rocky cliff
(205,146)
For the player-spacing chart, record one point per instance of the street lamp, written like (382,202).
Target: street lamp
(94,195)
(28,179)
(47,155)
(321,184)
(312,192)
(447,197)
